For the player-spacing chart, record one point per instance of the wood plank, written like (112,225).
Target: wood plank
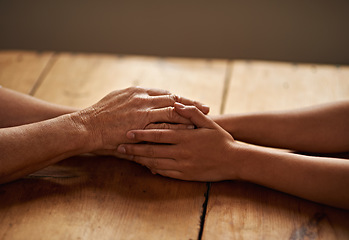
(238,210)
(99,198)
(260,86)
(202,80)
(20,70)
(103,197)
(81,80)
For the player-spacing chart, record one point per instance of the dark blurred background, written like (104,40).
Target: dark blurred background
(302,31)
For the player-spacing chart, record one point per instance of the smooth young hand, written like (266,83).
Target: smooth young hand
(200,154)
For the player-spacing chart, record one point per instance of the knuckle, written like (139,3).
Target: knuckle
(137,89)
(137,100)
(158,135)
(130,89)
(175,97)
(171,113)
(178,98)
(171,98)
(146,115)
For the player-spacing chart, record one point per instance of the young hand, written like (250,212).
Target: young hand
(201,154)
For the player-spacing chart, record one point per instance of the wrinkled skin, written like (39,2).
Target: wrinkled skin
(111,118)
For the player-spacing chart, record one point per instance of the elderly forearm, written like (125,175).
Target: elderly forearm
(28,148)
(18,109)
(322,128)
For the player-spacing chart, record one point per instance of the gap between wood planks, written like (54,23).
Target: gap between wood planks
(43,74)
(227,79)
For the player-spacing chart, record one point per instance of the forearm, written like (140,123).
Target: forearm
(322,128)
(322,180)
(18,109)
(25,149)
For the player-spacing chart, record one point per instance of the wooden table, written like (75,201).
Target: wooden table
(89,197)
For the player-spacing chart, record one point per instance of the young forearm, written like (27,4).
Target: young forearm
(25,149)
(18,109)
(322,180)
(322,128)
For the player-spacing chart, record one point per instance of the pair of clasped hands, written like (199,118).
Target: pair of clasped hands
(159,130)
(173,137)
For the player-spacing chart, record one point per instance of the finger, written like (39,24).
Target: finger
(169,126)
(156,163)
(167,114)
(156,92)
(202,107)
(169,100)
(154,136)
(163,101)
(195,116)
(146,150)
(168,173)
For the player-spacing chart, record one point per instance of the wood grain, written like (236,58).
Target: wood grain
(198,79)
(82,79)
(21,70)
(106,198)
(99,198)
(261,86)
(238,210)
(90,197)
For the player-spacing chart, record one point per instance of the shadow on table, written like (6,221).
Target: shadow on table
(256,205)
(343,155)
(97,177)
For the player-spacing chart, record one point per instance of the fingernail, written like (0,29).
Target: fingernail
(190,126)
(206,108)
(130,135)
(179,105)
(121,149)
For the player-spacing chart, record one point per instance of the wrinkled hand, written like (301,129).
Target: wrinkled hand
(201,154)
(108,121)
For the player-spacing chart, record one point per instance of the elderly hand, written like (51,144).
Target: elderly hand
(133,108)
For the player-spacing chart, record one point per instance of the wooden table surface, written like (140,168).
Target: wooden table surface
(89,197)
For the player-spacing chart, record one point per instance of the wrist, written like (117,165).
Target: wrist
(83,130)
(231,164)
(240,157)
(229,123)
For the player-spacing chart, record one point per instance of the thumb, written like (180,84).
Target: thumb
(194,115)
